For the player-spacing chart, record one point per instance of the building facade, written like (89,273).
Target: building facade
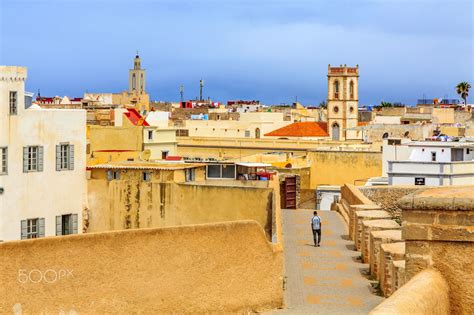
(43,189)
(434,163)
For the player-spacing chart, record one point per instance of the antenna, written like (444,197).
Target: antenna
(181,91)
(201,85)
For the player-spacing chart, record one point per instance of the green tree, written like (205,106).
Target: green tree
(385,104)
(463,90)
(323,104)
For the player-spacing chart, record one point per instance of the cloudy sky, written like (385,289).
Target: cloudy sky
(271,50)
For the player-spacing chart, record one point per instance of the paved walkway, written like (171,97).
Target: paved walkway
(327,279)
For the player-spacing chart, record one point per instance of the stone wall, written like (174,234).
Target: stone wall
(387,197)
(125,204)
(211,268)
(438,227)
(426,293)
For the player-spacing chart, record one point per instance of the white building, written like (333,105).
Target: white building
(434,163)
(42,165)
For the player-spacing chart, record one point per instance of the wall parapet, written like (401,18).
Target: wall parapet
(438,227)
(426,293)
(221,267)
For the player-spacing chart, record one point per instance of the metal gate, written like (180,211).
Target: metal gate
(290,192)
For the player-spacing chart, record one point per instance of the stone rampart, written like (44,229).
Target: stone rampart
(208,268)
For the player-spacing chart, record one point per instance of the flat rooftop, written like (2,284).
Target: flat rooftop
(132,165)
(456,144)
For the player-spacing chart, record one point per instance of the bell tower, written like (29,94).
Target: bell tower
(136,77)
(343,100)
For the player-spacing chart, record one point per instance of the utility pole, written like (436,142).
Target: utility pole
(201,85)
(181,91)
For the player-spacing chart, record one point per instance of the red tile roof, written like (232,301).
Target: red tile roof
(173,158)
(301,129)
(362,123)
(134,116)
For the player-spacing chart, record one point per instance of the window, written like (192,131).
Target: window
(32,228)
(182,133)
(218,171)
(150,134)
(111,175)
(64,157)
(13,103)
(247,133)
(3,161)
(164,155)
(32,159)
(351,90)
(468,151)
(66,224)
(146,176)
(336,109)
(385,135)
(336,89)
(190,174)
(433,156)
(351,109)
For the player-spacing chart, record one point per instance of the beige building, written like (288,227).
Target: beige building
(42,164)
(131,138)
(250,125)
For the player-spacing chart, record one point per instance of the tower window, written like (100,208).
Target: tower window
(351,109)
(13,103)
(351,90)
(336,89)
(134,82)
(336,109)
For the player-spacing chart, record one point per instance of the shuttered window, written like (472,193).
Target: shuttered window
(3,161)
(64,157)
(113,175)
(190,174)
(33,159)
(32,228)
(67,224)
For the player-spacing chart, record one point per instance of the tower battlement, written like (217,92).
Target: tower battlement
(13,73)
(343,70)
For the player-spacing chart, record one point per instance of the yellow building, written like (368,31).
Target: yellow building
(129,195)
(131,138)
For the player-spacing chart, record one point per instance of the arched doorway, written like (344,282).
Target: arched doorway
(257,133)
(335,131)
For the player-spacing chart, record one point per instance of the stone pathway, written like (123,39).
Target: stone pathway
(327,279)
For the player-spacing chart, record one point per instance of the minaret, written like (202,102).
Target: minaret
(136,81)
(343,100)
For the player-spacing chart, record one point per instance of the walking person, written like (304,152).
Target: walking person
(316,227)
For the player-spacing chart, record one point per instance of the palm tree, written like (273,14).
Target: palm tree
(386,104)
(463,90)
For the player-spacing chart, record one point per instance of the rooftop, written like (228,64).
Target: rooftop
(301,129)
(132,165)
(458,144)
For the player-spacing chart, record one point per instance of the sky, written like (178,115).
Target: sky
(271,50)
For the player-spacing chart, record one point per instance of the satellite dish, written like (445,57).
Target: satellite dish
(145,155)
